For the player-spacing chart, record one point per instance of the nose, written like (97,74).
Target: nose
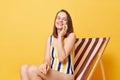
(61,20)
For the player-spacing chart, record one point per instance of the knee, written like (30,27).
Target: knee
(32,70)
(24,68)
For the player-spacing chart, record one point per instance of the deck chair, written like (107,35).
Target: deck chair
(88,52)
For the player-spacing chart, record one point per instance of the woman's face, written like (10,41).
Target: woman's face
(61,20)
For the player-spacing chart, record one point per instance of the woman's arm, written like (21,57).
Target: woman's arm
(46,64)
(47,52)
(64,49)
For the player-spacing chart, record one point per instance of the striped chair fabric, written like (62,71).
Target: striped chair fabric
(86,49)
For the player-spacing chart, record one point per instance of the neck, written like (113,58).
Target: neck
(58,31)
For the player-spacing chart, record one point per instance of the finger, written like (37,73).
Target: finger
(66,27)
(45,69)
(42,76)
(48,67)
(63,29)
(41,69)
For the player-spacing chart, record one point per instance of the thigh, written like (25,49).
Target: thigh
(55,75)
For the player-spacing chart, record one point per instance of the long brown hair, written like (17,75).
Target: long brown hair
(69,23)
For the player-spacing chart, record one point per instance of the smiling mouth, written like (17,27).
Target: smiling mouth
(60,24)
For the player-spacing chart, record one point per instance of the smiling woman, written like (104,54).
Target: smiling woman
(26,24)
(58,60)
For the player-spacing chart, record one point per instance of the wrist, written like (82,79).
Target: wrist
(60,37)
(46,63)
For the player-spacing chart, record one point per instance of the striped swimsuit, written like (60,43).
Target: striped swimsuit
(67,66)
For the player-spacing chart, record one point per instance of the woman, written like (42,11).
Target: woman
(58,60)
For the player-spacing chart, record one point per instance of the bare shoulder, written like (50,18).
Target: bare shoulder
(48,38)
(72,36)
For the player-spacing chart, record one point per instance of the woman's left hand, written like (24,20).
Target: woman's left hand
(44,68)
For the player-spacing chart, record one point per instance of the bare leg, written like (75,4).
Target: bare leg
(55,75)
(32,73)
(35,74)
(24,73)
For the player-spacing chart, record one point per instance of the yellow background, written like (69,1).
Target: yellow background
(26,24)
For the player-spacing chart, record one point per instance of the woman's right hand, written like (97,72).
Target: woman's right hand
(63,31)
(44,68)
